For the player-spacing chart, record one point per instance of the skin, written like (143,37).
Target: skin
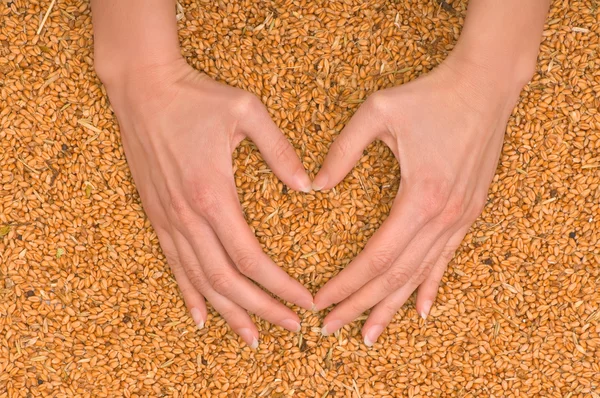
(446,129)
(179,129)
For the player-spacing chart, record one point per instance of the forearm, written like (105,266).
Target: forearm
(133,34)
(501,38)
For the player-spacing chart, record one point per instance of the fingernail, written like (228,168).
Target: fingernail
(197,317)
(291,325)
(331,327)
(249,338)
(426,308)
(320,181)
(372,334)
(303,181)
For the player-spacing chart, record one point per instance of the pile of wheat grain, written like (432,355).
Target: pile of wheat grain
(88,306)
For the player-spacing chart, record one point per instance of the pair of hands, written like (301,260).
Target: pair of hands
(179,129)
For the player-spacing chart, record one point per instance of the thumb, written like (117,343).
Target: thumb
(276,149)
(347,148)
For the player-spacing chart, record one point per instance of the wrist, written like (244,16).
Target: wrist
(132,35)
(114,68)
(500,41)
(505,72)
(142,81)
(484,87)
(142,92)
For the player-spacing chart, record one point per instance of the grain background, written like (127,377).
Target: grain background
(88,306)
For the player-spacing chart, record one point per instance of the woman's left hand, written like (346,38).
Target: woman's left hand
(446,129)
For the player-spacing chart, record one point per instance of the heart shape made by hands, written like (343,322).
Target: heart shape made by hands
(314,235)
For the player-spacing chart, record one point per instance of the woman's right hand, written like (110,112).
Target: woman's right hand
(179,129)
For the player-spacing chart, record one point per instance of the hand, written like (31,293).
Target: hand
(179,129)
(446,129)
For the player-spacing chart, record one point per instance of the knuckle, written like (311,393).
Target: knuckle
(281,149)
(246,104)
(263,313)
(343,291)
(188,290)
(390,307)
(172,260)
(446,256)
(343,146)
(396,279)
(454,210)
(281,289)
(220,282)
(177,207)
(356,307)
(229,314)
(203,198)
(423,271)
(247,263)
(376,103)
(380,261)
(434,193)
(197,280)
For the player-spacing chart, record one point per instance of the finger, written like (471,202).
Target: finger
(408,270)
(236,317)
(221,275)
(428,289)
(276,149)
(246,253)
(194,301)
(384,247)
(364,127)
(383,313)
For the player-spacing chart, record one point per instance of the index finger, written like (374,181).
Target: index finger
(362,129)
(276,149)
(246,253)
